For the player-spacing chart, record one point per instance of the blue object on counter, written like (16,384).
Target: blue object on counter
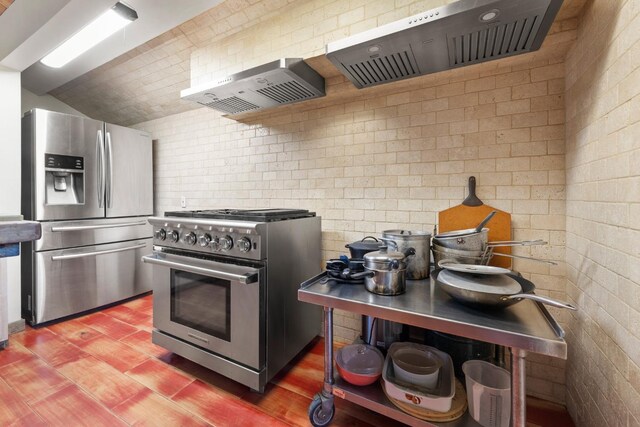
(9,250)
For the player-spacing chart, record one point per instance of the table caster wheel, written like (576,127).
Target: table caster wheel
(319,415)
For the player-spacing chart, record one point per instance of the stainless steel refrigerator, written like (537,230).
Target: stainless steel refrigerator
(90,185)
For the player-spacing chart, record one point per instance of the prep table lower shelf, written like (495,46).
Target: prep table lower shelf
(372,397)
(526,326)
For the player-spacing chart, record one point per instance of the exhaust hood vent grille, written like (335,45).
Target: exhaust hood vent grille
(231,105)
(276,83)
(392,67)
(494,42)
(460,33)
(287,92)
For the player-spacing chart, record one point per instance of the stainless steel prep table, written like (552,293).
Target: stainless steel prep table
(523,327)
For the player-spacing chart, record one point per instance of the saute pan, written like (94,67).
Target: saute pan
(493,292)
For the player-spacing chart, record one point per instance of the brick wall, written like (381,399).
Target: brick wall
(386,157)
(388,162)
(603,207)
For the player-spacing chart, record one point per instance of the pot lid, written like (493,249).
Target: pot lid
(384,255)
(497,284)
(360,359)
(366,244)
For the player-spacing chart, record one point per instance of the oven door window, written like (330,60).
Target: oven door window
(202,303)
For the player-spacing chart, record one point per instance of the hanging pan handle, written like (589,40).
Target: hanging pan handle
(472,199)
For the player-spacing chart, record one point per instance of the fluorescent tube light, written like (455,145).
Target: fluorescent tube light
(102,27)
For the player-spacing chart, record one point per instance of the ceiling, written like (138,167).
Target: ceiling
(31,29)
(144,83)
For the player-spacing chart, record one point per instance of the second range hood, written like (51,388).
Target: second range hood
(462,33)
(280,82)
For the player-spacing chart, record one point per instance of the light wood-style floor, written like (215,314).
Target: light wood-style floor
(102,370)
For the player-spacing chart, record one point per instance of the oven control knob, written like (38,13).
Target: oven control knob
(215,243)
(226,243)
(160,234)
(174,236)
(244,244)
(204,240)
(190,239)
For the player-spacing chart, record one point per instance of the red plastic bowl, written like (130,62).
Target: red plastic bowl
(359,364)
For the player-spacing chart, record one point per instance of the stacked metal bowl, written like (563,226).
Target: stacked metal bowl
(462,246)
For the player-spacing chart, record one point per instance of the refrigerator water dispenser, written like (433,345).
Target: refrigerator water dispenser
(64,180)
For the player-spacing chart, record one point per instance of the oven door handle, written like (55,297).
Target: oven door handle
(246,278)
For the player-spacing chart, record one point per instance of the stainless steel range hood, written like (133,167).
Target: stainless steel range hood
(280,82)
(462,33)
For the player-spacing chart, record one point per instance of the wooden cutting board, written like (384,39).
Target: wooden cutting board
(470,213)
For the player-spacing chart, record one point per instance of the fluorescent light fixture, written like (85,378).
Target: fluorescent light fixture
(102,27)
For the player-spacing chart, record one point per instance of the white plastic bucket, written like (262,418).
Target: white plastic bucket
(488,393)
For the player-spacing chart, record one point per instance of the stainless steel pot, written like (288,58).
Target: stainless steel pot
(389,271)
(419,264)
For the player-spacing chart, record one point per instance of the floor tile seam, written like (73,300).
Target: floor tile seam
(154,391)
(54,388)
(87,394)
(99,334)
(226,395)
(135,348)
(120,320)
(280,418)
(112,318)
(22,359)
(164,398)
(229,396)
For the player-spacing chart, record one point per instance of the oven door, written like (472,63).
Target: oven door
(214,305)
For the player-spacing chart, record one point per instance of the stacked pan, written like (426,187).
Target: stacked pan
(488,287)
(472,246)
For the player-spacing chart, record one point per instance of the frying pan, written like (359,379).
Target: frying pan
(470,290)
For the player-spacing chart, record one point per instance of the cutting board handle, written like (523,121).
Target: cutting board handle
(472,199)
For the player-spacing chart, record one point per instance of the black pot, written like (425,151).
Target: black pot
(358,249)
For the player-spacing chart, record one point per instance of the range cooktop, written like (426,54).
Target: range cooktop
(255,215)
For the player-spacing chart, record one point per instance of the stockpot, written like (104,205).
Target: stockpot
(388,270)
(419,264)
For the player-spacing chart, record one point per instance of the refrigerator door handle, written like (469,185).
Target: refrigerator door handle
(96,227)
(100,168)
(95,253)
(109,179)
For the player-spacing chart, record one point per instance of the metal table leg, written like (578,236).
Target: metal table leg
(328,351)
(518,387)
(322,409)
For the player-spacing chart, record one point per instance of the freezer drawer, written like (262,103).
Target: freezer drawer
(71,234)
(70,281)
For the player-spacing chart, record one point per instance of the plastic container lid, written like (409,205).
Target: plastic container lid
(360,359)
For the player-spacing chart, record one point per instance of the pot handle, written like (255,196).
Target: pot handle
(544,300)
(546,261)
(394,265)
(517,243)
(368,237)
(408,252)
(390,242)
(363,274)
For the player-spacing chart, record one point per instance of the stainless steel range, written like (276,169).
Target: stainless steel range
(225,288)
